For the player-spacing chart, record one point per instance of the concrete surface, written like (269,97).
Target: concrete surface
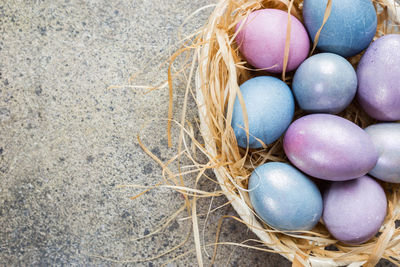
(67,142)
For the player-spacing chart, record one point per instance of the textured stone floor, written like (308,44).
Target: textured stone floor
(67,140)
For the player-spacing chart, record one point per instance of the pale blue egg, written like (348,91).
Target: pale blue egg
(349,28)
(285,198)
(386,138)
(270,108)
(325,82)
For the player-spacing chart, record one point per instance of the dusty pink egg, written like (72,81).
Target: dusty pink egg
(329,147)
(262,38)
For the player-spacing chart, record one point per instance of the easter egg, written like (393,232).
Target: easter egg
(284,197)
(386,138)
(329,147)
(261,39)
(349,28)
(378,75)
(270,107)
(354,210)
(324,82)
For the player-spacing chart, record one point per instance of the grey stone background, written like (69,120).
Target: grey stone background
(67,140)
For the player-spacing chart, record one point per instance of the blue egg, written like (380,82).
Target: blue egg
(270,108)
(325,83)
(386,138)
(349,28)
(285,198)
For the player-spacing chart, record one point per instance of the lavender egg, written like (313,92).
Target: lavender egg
(386,138)
(277,193)
(261,40)
(329,147)
(325,82)
(378,75)
(354,210)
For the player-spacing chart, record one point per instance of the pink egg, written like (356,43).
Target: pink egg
(262,39)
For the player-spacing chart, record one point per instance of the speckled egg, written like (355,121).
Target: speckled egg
(284,197)
(354,210)
(270,108)
(386,138)
(378,75)
(349,28)
(329,147)
(325,82)
(261,39)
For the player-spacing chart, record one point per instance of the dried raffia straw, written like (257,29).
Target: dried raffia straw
(327,13)
(287,41)
(220,71)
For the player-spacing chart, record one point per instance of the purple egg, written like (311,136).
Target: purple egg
(262,40)
(378,79)
(329,147)
(354,210)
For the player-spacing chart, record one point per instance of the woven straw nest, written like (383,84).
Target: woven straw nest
(221,70)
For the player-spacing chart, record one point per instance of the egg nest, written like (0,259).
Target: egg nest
(221,69)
